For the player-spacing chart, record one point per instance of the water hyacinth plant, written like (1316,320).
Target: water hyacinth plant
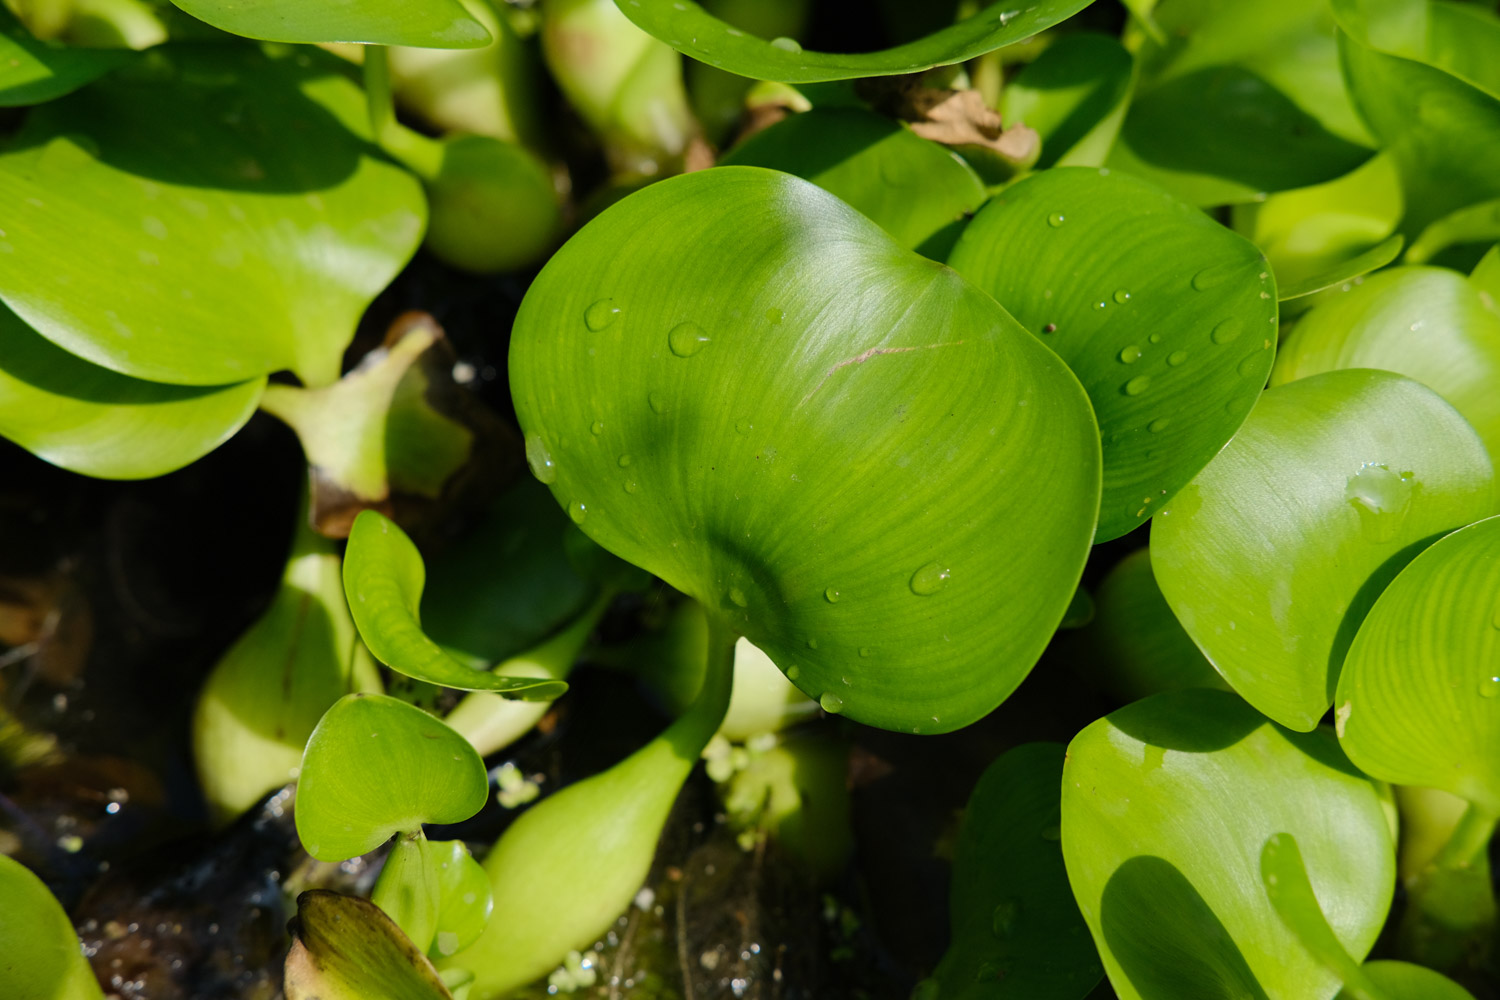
(1038,460)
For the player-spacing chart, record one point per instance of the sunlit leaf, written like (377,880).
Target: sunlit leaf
(1372,259)
(346,949)
(33,71)
(42,959)
(434,24)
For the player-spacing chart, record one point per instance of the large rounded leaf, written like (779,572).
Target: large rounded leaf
(1419,700)
(1423,322)
(735,381)
(1016,931)
(1166,805)
(100,423)
(912,188)
(433,24)
(1166,317)
(33,71)
(42,959)
(376,766)
(1274,554)
(693,31)
(249,243)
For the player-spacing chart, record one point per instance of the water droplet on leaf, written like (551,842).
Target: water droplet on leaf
(1122,296)
(1382,498)
(1227,330)
(540,459)
(930,579)
(786,44)
(601,314)
(1158,425)
(686,339)
(831,703)
(1130,355)
(658,403)
(578,510)
(1176,358)
(1137,385)
(737,597)
(832,595)
(1056,219)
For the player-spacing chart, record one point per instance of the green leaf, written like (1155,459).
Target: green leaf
(374,767)
(1426,323)
(1486,279)
(693,31)
(1074,94)
(1372,259)
(33,71)
(912,188)
(99,423)
(127,236)
(1166,804)
(1273,555)
(1166,317)
(1284,875)
(346,949)
(43,959)
(1405,981)
(1472,224)
(407,890)
(464,896)
(1419,701)
(1015,929)
(432,24)
(383,579)
(1141,647)
(736,382)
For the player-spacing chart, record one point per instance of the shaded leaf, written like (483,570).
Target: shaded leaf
(43,959)
(1074,95)
(1372,259)
(346,949)
(33,71)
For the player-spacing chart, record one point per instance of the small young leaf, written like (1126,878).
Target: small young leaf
(375,766)
(33,71)
(1166,317)
(42,957)
(1166,805)
(1372,259)
(464,897)
(347,949)
(407,890)
(433,24)
(383,579)
(1272,556)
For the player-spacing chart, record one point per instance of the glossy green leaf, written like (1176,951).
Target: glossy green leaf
(97,422)
(1419,701)
(1486,279)
(33,71)
(1074,94)
(407,890)
(1015,929)
(1405,981)
(1166,317)
(128,236)
(433,24)
(1372,259)
(1443,132)
(912,188)
(691,30)
(346,949)
(1140,646)
(464,896)
(42,959)
(376,766)
(1426,323)
(1166,804)
(736,382)
(383,579)
(1284,875)
(1273,555)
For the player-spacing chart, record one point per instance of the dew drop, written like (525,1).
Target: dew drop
(1176,358)
(1056,219)
(1155,338)
(1489,687)
(597,428)
(578,510)
(658,403)
(540,459)
(1209,277)
(1250,365)
(737,597)
(1382,498)
(786,44)
(1137,385)
(930,579)
(832,703)
(1227,331)
(1003,920)
(624,461)
(601,314)
(1122,296)
(631,486)
(775,315)
(832,595)
(812,644)
(1158,425)
(1100,304)
(1130,355)
(744,427)
(793,672)
(686,339)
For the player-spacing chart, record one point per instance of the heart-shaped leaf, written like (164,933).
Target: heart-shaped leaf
(1015,929)
(43,959)
(346,949)
(1166,805)
(912,188)
(1141,646)
(33,71)
(432,24)
(1166,317)
(1074,94)
(693,31)
(1423,322)
(376,766)
(1273,555)
(1419,700)
(383,580)
(1376,257)
(97,422)
(817,434)
(204,255)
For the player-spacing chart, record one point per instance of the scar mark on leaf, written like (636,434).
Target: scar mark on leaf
(873,352)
